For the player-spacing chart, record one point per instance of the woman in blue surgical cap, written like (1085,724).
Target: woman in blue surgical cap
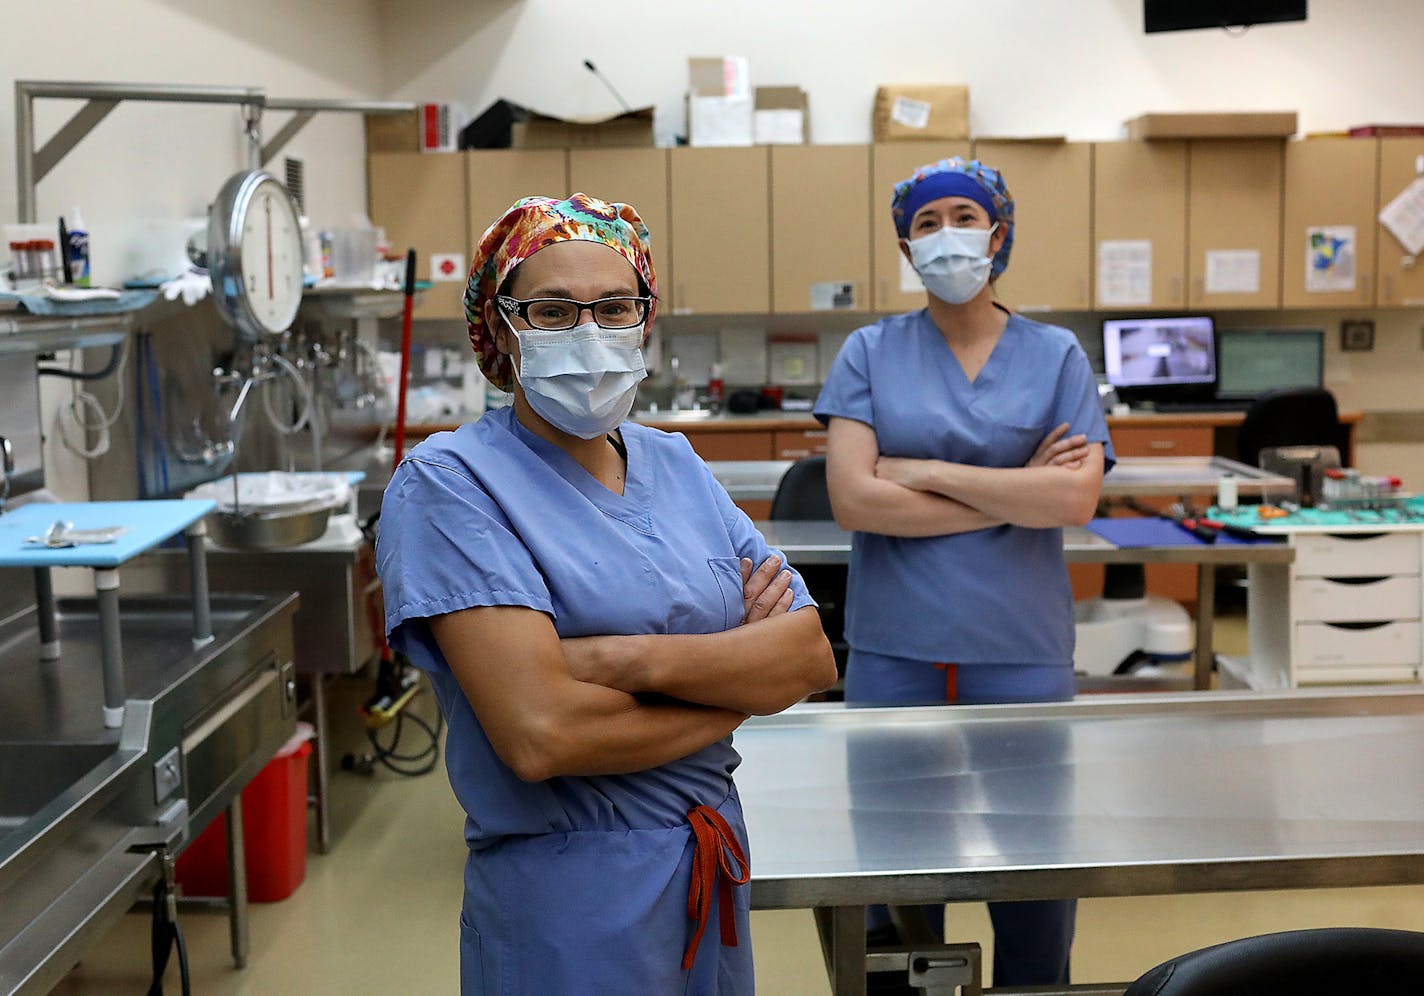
(962,438)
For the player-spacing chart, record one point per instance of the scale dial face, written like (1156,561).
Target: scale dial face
(255,252)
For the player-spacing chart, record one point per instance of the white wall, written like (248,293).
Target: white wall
(1074,67)
(147,166)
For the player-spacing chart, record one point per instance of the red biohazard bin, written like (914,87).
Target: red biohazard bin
(274,830)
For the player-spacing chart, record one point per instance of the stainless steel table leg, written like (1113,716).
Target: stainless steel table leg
(1206,619)
(44,603)
(236,883)
(842,931)
(198,576)
(320,759)
(106,588)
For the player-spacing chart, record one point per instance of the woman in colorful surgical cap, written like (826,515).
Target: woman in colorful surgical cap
(962,438)
(581,592)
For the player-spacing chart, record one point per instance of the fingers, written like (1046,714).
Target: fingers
(746,573)
(1054,434)
(765,604)
(1069,457)
(756,582)
(783,604)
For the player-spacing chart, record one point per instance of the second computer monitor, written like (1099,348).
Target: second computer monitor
(1253,362)
(1159,352)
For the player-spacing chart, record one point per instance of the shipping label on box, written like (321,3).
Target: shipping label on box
(921,111)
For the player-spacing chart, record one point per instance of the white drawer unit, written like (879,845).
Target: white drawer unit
(1350,608)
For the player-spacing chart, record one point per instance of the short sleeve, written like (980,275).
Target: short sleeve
(846,393)
(748,541)
(445,545)
(1078,404)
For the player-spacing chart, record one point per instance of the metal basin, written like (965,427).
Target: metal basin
(268,531)
(683,415)
(34,775)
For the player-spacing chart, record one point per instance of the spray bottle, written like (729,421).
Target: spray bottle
(79,250)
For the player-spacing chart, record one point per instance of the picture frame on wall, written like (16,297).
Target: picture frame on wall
(1357,336)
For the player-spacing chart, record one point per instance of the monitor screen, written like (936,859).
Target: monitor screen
(1181,15)
(1251,362)
(1152,352)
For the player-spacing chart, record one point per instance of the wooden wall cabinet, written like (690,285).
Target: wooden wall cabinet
(820,227)
(496,178)
(1329,183)
(638,177)
(1050,266)
(1401,279)
(721,230)
(891,162)
(1140,195)
(419,199)
(1233,206)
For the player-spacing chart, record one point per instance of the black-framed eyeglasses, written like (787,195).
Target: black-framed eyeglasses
(555,314)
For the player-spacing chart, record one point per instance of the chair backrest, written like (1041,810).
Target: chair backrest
(1332,960)
(1299,416)
(802,493)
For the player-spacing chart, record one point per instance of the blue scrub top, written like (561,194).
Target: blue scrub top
(994,596)
(491,514)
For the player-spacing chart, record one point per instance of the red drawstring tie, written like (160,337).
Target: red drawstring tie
(714,850)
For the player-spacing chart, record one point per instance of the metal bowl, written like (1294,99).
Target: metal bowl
(268,531)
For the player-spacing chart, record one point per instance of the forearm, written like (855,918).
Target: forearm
(874,505)
(1035,497)
(758,668)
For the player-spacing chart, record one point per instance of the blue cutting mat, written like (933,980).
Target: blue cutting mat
(149,524)
(1134,532)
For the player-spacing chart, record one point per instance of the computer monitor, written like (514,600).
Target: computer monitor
(1252,362)
(1160,353)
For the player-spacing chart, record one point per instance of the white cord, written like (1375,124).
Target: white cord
(303,392)
(73,418)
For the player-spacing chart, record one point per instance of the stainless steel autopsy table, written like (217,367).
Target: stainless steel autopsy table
(819,542)
(1105,796)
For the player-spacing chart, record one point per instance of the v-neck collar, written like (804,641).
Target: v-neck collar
(632,506)
(988,373)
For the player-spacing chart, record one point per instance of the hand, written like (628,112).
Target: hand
(1058,450)
(903,471)
(766,592)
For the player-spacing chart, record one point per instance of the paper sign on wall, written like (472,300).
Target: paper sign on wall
(1124,272)
(1233,271)
(1330,258)
(910,282)
(447,266)
(833,295)
(1404,217)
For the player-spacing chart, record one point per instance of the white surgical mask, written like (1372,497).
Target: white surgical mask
(582,380)
(953,262)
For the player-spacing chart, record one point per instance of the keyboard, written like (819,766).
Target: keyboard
(1173,407)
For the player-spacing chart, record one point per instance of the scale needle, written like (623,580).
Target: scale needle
(271,291)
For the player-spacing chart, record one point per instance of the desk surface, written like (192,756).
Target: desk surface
(1123,795)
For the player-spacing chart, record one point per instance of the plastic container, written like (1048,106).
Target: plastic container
(78,250)
(274,829)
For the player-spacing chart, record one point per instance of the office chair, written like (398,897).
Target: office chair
(1295,417)
(802,495)
(1325,962)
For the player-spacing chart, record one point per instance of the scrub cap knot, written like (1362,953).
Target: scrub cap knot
(529,225)
(956,177)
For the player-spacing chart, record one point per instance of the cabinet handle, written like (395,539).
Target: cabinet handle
(1176,290)
(1201,287)
(1082,290)
(1365,286)
(884,293)
(1388,288)
(1162,444)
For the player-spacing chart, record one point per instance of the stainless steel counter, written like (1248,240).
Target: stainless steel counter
(1107,796)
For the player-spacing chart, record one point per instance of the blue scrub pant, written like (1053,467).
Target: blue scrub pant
(1032,940)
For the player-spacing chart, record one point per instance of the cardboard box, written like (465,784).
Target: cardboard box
(547,131)
(1251,124)
(920,111)
(781,115)
(719,101)
(719,76)
(393,132)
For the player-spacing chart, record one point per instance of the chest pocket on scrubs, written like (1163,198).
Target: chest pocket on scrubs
(727,571)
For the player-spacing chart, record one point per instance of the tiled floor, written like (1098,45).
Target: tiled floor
(378,915)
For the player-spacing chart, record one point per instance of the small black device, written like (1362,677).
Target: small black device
(1184,15)
(1160,359)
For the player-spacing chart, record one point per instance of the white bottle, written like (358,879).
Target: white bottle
(1226,493)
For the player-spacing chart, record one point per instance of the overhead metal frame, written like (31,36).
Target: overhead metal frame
(32,165)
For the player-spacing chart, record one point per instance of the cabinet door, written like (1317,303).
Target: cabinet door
(711,444)
(897,287)
(1234,211)
(1401,281)
(721,249)
(1329,199)
(497,178)
(638,177)
(1051,183)
(820,228)
(419,199)
(1140,195)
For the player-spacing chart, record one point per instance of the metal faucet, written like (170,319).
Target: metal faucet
(7,467)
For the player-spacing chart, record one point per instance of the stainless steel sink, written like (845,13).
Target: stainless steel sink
(32,776)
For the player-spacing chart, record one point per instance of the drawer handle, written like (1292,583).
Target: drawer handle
(1162,444)
(1360,625)
(1357,581)
(1355,537)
